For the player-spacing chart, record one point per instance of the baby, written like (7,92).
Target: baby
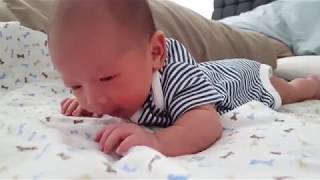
(115,62)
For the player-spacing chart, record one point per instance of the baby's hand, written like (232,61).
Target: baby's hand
(121,137)
(71,107)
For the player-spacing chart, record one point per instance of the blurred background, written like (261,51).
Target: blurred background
(203,7)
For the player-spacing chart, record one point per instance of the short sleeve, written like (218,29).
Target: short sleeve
(177,52)
(187,87)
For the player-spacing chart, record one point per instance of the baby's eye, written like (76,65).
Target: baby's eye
(75,87)
(108,78)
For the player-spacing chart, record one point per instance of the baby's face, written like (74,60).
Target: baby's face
(107,74)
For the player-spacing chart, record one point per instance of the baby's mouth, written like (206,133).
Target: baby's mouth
(117,113)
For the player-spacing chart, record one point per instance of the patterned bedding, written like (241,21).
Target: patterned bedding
(37,142)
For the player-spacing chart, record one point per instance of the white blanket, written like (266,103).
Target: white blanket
(37,142)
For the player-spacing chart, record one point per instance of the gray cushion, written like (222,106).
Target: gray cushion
(226,8)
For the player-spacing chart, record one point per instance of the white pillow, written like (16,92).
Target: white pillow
(24,57)
(297,66)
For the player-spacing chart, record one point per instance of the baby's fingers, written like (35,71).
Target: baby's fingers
(98,136)
(65,104)
(65,100)
(78,111)
(71,108)
(128,143)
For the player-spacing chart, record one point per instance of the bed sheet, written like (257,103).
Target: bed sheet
(39,143)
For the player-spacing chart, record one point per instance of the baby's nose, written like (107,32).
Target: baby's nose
(94,100)
(97,104)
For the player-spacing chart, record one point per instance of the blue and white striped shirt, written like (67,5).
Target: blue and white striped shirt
(183,84)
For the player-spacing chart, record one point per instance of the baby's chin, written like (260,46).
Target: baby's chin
(120,113)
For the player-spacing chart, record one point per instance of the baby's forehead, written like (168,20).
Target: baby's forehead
(95,30)
(98,51)
(129,15)
(82,12)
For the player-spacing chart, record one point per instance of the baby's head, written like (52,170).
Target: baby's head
(106,52)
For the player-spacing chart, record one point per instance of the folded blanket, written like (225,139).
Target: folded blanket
(295,22)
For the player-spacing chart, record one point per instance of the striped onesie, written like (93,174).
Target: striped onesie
(183,84)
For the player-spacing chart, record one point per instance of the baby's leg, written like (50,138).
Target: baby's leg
(299,89)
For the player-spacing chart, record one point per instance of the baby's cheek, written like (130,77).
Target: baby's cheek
(123,101)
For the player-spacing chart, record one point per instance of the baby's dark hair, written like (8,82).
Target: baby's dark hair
(134,15)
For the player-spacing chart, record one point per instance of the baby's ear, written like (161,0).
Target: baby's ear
(158,44)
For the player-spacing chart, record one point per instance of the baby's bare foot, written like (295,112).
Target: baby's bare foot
(316,80)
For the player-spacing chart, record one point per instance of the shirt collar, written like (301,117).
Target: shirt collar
(157,94)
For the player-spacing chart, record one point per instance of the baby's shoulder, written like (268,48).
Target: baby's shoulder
(176,52)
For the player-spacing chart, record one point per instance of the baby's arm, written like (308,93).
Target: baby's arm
(194,131)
